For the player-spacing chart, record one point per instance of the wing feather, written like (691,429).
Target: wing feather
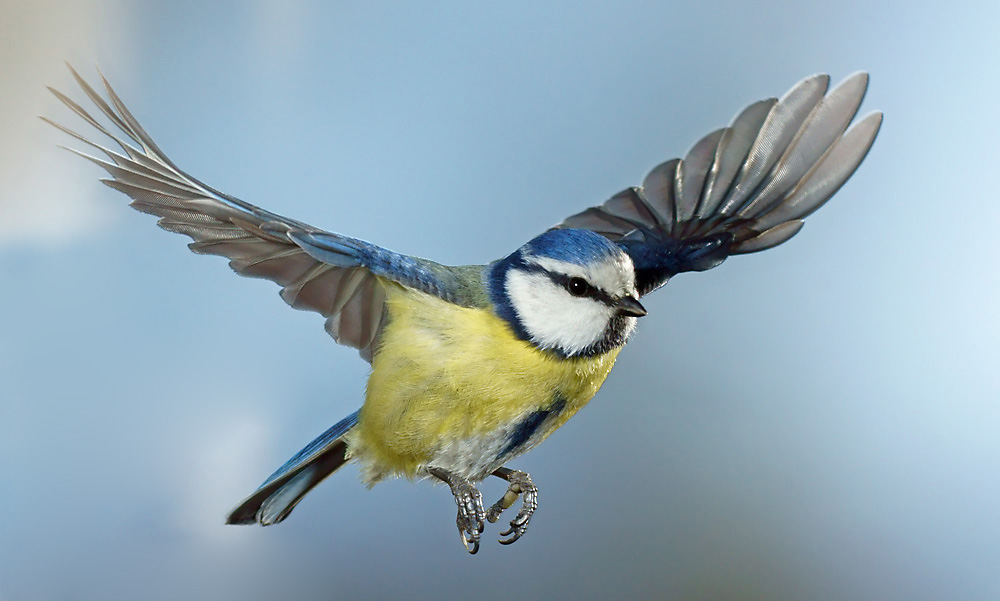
(694,172)
(781,125)
(658,190)
(734,146)
(741,189)
(341,278)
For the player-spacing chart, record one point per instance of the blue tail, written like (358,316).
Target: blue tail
(282,491)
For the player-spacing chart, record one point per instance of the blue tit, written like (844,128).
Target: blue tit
(472,366)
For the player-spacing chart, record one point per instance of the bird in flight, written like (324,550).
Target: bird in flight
(473,365)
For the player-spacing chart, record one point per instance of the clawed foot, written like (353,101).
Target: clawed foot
(520,484)
(470,508)
(471,514)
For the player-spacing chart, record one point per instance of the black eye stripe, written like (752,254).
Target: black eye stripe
(591,291)
(562,280)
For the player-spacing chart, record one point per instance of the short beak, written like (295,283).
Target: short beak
(627,305)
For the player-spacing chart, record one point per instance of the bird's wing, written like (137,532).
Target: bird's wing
(743,188)
(319,271)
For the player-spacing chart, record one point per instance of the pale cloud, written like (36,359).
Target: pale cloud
(215,464)
(282,28)
(48,197)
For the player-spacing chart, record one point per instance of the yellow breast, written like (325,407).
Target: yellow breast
(450,384)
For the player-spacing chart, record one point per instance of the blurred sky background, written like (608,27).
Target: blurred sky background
(815,422)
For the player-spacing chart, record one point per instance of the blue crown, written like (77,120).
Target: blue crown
(580,247)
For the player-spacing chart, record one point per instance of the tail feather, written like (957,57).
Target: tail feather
(282,491)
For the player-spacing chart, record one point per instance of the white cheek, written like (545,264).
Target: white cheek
(552,317)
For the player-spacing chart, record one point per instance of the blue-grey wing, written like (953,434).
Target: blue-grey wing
(743,188)
(334,275)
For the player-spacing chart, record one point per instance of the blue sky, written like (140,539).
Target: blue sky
(815,422)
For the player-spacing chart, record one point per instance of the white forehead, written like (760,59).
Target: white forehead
(612,274)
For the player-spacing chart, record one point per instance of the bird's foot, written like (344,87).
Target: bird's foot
(520,485)
(471,514)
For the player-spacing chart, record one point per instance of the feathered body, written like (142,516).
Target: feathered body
(454,387)
(474,365)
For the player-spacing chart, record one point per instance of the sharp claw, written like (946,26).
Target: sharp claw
(507,541)
(470,534)
(517,528)
(471,514)
(475,544)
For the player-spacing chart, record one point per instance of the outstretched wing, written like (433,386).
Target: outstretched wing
(336,276)
(743,188)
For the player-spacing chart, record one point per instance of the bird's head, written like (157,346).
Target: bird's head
(568,290)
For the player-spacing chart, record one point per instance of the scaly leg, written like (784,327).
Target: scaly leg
(520,484)
(470,507)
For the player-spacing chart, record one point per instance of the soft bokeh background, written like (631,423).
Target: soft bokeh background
(816,422)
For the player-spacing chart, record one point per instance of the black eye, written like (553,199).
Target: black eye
(578,286)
